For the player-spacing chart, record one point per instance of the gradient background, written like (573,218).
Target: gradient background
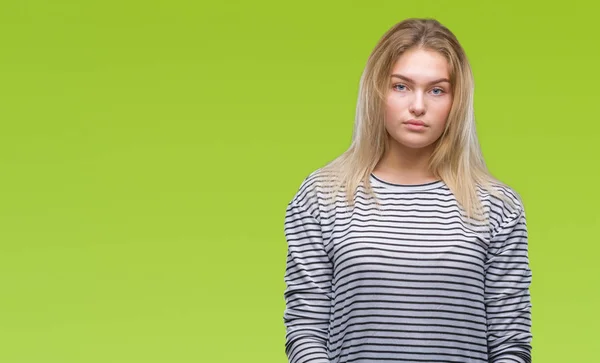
(148,151)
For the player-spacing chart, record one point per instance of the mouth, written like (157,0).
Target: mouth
(415,122)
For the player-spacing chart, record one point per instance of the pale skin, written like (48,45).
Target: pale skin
(419,89)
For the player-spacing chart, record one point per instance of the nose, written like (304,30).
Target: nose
(417,106)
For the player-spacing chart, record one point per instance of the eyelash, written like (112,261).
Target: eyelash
(439,94)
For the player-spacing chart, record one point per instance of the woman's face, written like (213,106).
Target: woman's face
(419,99)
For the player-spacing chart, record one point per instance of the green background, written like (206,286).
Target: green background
(148,150)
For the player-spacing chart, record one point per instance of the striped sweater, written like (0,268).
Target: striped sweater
(409,282)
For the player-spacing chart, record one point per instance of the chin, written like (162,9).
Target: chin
(416,146)
(413,142)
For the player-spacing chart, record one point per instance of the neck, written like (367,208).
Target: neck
(403,165)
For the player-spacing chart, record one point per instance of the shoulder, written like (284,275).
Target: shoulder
(312,191)
(502,203)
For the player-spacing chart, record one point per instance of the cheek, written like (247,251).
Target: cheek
(443,110)
(395,107)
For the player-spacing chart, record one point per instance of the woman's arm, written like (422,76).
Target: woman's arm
(308,287)
(507,298)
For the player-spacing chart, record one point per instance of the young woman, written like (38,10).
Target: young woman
(405,248)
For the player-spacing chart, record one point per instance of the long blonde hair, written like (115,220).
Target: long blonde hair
(457,157)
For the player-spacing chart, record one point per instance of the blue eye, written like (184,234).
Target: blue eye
(399,85)
(438,89)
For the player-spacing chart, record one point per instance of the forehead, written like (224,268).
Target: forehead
(422,65)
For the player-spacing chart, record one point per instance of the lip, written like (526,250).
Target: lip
(415,122)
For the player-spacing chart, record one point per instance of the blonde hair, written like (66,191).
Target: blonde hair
(457,157)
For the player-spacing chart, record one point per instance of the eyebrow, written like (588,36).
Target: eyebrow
(411,81)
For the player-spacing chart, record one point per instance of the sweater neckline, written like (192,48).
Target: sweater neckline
(376,181)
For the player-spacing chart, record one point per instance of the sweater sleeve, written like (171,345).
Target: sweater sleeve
(507,296)
(308,288)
